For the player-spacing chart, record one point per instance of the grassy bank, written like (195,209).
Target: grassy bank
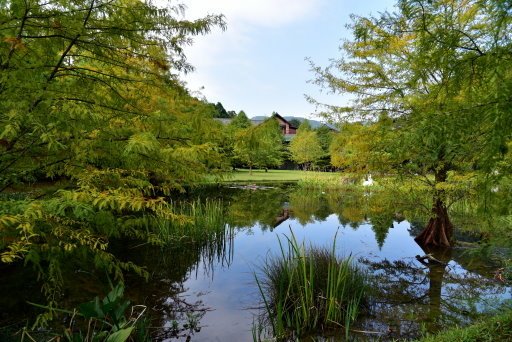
(242,175)
(304,179)
(497,328)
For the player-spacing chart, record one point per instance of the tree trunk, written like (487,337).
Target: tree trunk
(439,229)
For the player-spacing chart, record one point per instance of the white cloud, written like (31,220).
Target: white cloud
(267,13)
(231,50)
(229,64)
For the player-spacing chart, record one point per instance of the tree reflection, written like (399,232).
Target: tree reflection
(413,296)
(247,208)
(172,311)
(350,207)
(270,207)
(309,206)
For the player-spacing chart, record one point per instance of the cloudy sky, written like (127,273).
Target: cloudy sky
(258,64)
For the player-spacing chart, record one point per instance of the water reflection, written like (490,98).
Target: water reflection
(204,290)
(416,296)
(176,312)
(411,297)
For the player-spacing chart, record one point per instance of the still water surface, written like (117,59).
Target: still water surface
(221,295)
(206,290)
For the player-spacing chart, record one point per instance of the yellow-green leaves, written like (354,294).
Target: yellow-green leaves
(305,147)
(259,146)
(145,143)
(437,68)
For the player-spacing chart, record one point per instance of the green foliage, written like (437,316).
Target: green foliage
(438,69)
(220,112)
(324,181)
(307,290)
(101,320)
(240,121)
(243,175)
(80,97)
(203,220)
(497,328)
(362,148)
(305,147)
(295,122)
(349,148)
(89,94)
(260,146)
(305,126)
(325,137)
(76,225)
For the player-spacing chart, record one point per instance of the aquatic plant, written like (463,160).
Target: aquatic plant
(321,182)
(202,219)
(109,319)
(204,229)
(310,290)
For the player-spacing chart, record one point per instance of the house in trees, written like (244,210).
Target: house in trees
(287,129)
(287,124)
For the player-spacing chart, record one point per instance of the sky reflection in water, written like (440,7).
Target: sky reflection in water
(230,291)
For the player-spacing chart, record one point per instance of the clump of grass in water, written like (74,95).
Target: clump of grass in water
(331,181)
(321,182)
(201,220)
(200,225)
(310,290)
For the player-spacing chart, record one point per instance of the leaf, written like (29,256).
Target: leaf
(120,336)
(118,313)
(91,309)
(115,294)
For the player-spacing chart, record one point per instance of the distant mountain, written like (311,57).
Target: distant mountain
(313,123)
(259,118)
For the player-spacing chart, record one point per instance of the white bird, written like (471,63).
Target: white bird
(368,181)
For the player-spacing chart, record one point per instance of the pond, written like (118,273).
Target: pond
(206,290)
(217,293)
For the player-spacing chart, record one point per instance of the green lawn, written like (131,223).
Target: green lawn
(242,175)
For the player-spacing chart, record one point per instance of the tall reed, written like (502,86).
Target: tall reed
(199,220)
(310,290)
(202,226)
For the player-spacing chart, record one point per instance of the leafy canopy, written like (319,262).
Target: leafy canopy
(261,145)
(305,147)
(89,93)
(441,71)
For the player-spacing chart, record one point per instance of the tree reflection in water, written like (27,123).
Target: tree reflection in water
(409,297)
(413,296)
(173,311)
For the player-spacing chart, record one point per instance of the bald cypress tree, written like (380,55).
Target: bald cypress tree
(441,71)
